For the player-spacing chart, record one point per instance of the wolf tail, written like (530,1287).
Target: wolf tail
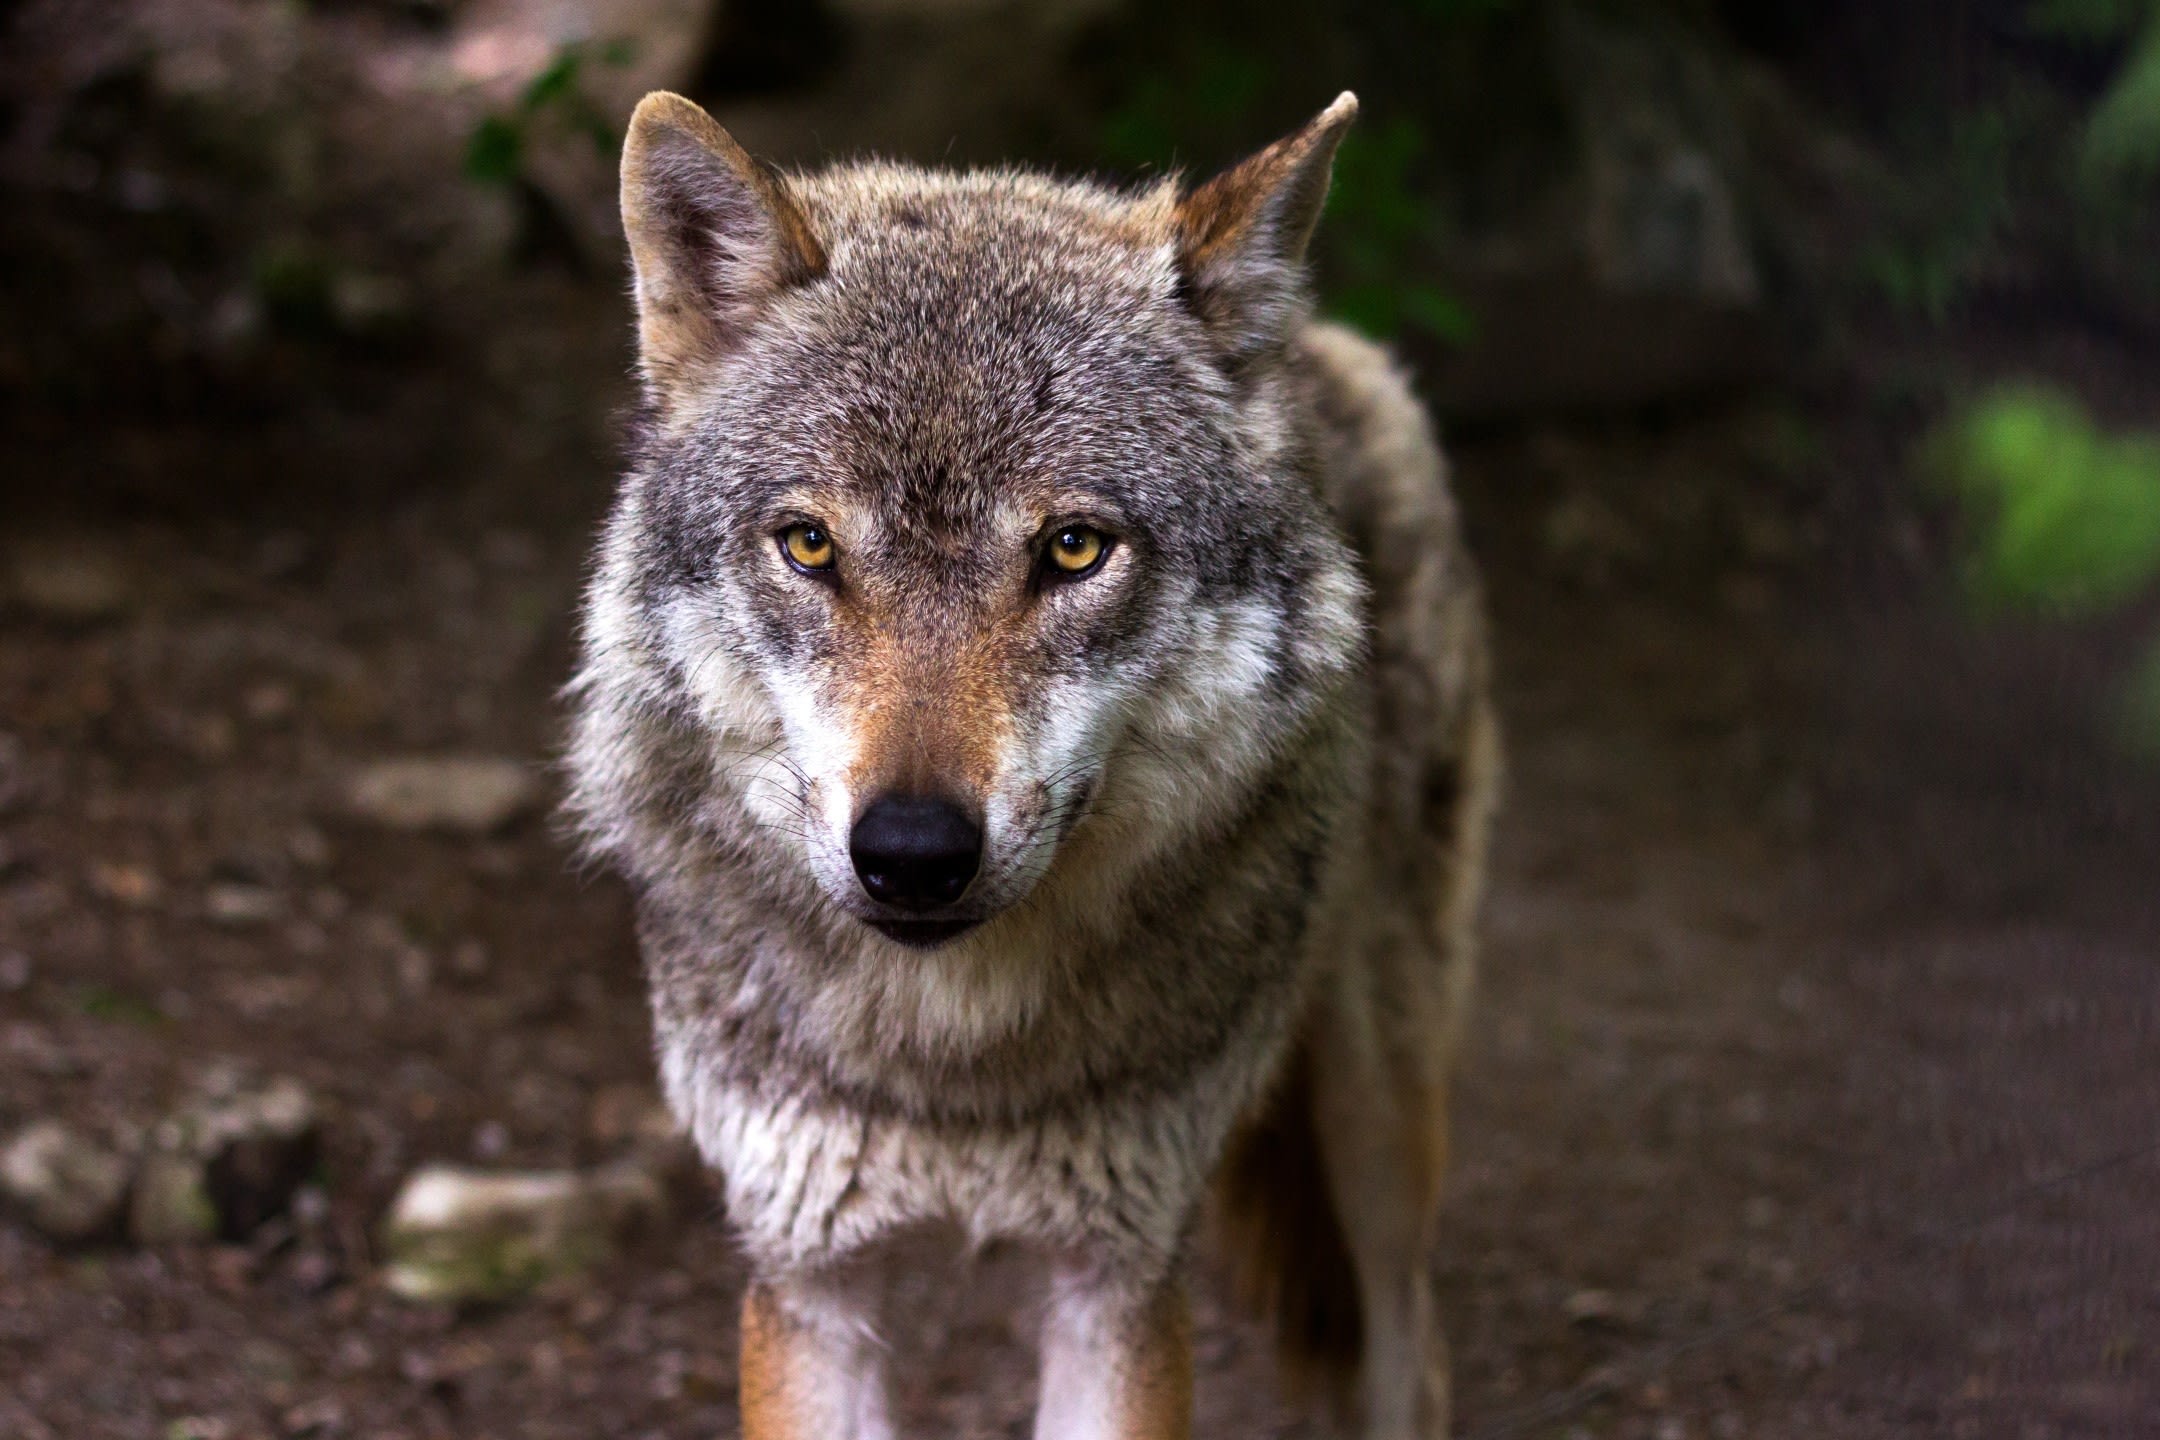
(1290,1259)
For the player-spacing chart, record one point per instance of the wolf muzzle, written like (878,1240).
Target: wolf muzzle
(915,853)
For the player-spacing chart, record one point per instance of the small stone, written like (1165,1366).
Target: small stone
(415,970)
(15,971)
(268,703)
(469,962)
(371,306)
(1594,1309)
(63,1182)
(316,1417)
(465,794)
(239,906)
(227,1163)
(457,1235)
(172,1203)
(70,579)
(130,885)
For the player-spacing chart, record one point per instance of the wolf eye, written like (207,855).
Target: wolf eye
(807,547)
(1075,549)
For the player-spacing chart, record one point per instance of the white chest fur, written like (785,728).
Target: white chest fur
(809,1183)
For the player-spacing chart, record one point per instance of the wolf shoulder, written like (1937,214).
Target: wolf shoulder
(1382,473)
(1380,465)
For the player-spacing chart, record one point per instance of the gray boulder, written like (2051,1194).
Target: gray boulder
(465,794)
(457,1235)
(222,1165)
(63,1182)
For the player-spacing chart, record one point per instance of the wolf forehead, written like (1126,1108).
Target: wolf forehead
(976,343)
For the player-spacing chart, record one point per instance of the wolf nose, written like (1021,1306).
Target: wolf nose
(915,853)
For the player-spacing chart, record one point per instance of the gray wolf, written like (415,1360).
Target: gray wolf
(1034,683)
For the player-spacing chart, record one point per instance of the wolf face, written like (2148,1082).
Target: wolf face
(967,510)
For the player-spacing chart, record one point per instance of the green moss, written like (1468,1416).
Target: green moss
(2066,516)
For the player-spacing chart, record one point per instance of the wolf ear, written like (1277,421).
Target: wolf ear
(713,236)
(1242,236)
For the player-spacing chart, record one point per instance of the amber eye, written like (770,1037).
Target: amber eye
(1075,549)
(807,547)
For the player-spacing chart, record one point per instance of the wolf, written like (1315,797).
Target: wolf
(1035,685)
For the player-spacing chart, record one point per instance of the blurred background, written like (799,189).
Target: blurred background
(1799,363)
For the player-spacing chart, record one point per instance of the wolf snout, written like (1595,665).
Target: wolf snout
(915,853)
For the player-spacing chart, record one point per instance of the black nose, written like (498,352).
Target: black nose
(914,853)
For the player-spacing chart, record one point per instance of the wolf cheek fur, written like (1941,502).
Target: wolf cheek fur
(1212,804)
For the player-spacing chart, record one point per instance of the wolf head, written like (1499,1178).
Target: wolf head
(970,513)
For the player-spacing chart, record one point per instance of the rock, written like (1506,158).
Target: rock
(63,1182)
(1596,1310)
(466,794)
(131,885)
(238,906)
(371,307)
(458,1235)
(223,1165)
(1656,128)
(69,579)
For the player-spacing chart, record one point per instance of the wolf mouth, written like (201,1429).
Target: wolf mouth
(922,934)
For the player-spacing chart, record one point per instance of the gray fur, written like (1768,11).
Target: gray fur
(1236,768)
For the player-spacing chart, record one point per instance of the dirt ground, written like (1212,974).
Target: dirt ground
(1820,946)
(1815,1070)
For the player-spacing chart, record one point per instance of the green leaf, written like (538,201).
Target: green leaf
(1375,309)
(2067,516)
(1439,314)
(558,80)
(496,152)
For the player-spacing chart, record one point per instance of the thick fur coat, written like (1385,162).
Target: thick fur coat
(1230,782)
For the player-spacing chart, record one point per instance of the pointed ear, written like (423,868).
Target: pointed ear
(713,236)
(1242,236)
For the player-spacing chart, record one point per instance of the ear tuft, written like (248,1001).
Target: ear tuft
(714,235)
(1242,236)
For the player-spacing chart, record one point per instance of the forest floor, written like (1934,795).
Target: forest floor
(1820,944)
(1811,1080)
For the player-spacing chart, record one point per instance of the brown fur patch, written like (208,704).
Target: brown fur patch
(1285,1239)
(930,712)
(1160,1385)
(711,231)
(1279,191)
(773,1407)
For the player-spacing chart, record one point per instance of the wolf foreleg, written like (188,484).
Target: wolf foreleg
(1115,1367)
(812,1368)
